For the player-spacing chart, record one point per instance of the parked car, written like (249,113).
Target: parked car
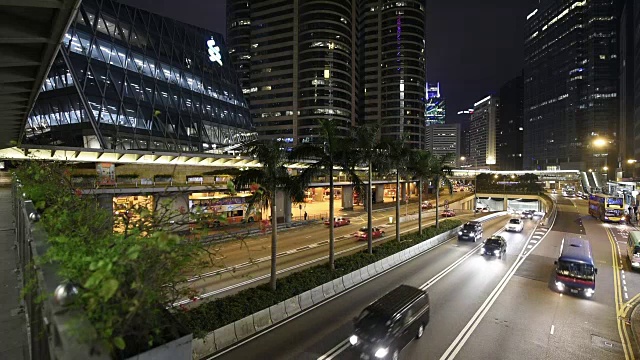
(527,214)
(375,233)
(448,213)
(471,231)
(339,221)
(514,225)
(494,246)
(426,205)
(389,324)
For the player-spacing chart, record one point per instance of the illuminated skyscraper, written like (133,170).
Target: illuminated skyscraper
(571,85)
(482,132)
(435,106)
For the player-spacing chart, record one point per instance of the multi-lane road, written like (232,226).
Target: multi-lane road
(247,262)
(483,308)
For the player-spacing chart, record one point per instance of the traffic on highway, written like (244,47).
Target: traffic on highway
(503,306)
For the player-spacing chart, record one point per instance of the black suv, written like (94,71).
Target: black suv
(494,246)
(471,231)
(387,325)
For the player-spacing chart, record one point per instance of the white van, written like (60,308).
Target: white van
(480,207)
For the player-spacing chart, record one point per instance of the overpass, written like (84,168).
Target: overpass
(30,34)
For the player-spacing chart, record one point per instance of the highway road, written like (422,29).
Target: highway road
(482,308)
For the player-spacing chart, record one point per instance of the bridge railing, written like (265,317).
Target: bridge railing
(46,296)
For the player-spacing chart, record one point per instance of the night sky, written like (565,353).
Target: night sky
(473,47)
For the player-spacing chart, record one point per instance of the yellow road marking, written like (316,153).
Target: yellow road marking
(620,312)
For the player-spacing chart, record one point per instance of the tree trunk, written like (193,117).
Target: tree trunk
(398,206)
(437,201)
(274,241)
(420,206)
(369,211)
(331,221)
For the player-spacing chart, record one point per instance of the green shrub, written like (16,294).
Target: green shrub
(215,314)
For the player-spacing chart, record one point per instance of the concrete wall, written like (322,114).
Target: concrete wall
(347,197)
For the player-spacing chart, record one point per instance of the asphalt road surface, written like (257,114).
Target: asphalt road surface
(481,308)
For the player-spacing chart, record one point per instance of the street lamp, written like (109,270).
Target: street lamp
(599,142)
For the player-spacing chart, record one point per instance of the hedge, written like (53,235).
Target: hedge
(220,312)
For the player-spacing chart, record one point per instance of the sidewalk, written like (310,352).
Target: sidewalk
(13,329)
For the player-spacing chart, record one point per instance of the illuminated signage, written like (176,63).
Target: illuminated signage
(214,52)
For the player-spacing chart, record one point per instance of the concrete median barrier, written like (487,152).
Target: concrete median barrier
(378,266)
(225,336)
(244,327)
(262,319)
(370,270)
(277,312)
(328,290)
(347,280)
(292,305)
(305,300)
(204,346)
(317,295)
(338,285)
(359,275)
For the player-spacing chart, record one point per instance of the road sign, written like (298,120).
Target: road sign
(446,204)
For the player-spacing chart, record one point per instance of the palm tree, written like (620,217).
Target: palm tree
(330,152)
(440,172)
(397,158)
(368,152)
(265,182)
(420,167)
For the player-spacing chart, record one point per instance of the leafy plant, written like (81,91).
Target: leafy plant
(126,280)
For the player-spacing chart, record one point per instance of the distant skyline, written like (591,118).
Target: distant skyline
(472,48)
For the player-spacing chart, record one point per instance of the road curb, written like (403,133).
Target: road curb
(633,321)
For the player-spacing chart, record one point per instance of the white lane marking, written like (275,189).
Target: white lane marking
(333,352)
(466,332)
(552,329)
(624,282)
(529,246)
(625,288)
(533,241)
(626,296)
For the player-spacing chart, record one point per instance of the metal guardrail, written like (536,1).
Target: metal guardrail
(51,335)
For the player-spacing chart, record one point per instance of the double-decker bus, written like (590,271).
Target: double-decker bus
(575,270)
(221,209)
(606,207)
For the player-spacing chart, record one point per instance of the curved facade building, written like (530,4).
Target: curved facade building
(394,71)
(125,78)
(326,50)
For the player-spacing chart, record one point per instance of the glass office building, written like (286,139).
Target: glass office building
(125,78)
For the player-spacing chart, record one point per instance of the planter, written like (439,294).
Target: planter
(178,349)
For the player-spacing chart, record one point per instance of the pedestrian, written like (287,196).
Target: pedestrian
(305,216)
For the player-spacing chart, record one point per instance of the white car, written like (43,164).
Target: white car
(514,225)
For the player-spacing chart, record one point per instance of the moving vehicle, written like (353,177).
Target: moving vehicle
(527,214)
(217,210)
(514,225)
(553,191)
(426,205)
(480,207)
(575,269)
(494,246)
(471,231)
(387,325)
(633,249)
(448,213)
(606,207)
(375,233)
(339,221)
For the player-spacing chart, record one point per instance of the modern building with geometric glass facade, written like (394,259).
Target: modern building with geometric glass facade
(571,85)
(125,78)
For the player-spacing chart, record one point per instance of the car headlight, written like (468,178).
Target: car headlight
(459,232)
(589,292)
(482,251)
(353,339)
(496,252)
(381,352)
(559,286)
